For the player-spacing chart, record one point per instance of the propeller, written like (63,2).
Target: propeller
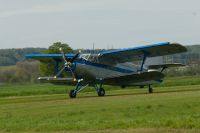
(68,63)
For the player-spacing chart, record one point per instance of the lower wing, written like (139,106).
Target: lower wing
(134,79)
(55,80)
(165,65)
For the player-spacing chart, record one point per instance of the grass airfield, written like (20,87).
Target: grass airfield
(173,107)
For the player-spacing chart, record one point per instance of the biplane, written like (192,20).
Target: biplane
(121,67)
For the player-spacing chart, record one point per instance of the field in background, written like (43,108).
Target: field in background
(174,107)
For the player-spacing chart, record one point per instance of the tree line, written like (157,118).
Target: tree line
(12,56)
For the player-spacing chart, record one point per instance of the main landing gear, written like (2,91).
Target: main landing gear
(100,90)
(79,86)
(72,94)
(150,89)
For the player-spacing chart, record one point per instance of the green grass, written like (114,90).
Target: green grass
(120,109)
(181,81)
(39,89)
(31,89)
(169,109)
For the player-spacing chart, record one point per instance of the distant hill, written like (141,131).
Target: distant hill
(193,52)
(191,56)
(193,49)
(11,56)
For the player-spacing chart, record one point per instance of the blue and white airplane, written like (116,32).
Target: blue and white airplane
(122,67)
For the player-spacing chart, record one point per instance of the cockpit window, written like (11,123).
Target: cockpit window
(85,56)
(90,57)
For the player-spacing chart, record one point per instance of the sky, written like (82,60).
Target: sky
(104,23)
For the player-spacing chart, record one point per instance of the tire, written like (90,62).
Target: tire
(101,92)
(150,90)
(141,86)
(72,94)
(123,86)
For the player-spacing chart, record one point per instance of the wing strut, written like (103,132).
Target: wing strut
(143,61)
(163,69)
(57,66)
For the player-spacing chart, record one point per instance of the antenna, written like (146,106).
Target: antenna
(93,48)
(112,47)
(108,47)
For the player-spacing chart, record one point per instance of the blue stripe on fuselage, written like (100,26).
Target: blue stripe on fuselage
(117,69)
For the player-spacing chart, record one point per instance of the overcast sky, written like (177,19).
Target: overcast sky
(107,23)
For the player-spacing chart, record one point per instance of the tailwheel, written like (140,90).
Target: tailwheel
(101,92)
(72,94)
(141,86)
(150,89)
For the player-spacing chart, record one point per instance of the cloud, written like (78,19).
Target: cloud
(41,9)
(97,5)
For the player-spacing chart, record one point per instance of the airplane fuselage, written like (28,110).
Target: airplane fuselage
(91,71)
(119,67)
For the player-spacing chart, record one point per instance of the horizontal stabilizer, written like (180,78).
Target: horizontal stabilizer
(165,65)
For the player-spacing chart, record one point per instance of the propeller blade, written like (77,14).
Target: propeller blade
(63,55)
(68,63)
(72,74)
(73,58)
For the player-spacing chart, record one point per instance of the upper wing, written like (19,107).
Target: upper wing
(42,57)
(137,53)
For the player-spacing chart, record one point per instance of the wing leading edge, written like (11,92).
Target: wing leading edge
(138,53)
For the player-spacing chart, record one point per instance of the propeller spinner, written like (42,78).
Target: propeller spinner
(68,63)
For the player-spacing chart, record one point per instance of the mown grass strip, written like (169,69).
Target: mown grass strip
(117,111)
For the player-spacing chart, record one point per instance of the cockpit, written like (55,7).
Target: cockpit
(85,56)
(89,57)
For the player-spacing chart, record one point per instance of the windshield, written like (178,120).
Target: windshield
(90,57)
(85,56)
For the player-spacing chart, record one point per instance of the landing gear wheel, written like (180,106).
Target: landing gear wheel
(141,86)
(150,89)
(72,94)
(101,92)
(123,86)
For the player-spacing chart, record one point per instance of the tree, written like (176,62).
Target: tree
(47,67)
(54,49)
